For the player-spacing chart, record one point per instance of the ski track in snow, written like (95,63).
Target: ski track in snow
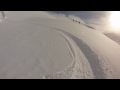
(87,61)
(82,67)
(76,69)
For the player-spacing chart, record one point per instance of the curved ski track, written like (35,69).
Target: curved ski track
(87,61)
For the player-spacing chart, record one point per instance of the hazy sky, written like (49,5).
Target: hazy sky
(98,19)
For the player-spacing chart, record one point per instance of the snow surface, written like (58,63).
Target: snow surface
(115,37)
(37,44)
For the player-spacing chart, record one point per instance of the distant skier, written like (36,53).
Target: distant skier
(73,20)
(79,22)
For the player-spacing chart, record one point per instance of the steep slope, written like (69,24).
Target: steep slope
(113,36)
(44,45)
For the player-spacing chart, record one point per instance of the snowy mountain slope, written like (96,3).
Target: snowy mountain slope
(113,36)
(44,45)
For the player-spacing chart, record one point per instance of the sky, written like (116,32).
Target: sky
(97,19)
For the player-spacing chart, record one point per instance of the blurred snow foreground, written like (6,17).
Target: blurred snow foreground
(44,45)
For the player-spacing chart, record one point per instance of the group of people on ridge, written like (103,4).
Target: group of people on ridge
(76,21)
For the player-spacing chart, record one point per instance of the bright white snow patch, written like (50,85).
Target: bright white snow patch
(44,45)
(30,51)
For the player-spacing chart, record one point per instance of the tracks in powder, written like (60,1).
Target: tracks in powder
(86,63)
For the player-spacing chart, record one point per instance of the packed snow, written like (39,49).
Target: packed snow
(43,45)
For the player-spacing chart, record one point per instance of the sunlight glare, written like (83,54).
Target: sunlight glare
(115,19)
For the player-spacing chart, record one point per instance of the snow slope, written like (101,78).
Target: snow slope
(45,45)
(114,37)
